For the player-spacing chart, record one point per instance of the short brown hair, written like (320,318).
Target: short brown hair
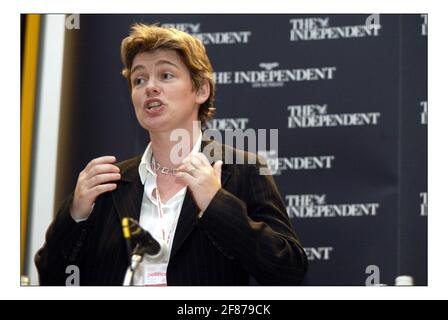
(144,38)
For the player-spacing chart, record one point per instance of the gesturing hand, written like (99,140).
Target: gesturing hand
(93,181)
(202,179)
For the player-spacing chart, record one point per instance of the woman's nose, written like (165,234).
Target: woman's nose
(152,88)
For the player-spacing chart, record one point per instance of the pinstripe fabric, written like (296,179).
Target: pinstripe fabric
(244,232)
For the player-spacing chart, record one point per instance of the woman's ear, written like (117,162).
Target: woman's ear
(203,92)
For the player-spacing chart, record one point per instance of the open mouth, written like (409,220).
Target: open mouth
(153,105)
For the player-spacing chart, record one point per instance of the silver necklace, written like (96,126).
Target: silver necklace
(157,167)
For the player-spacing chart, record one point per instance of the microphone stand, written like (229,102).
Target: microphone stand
(136,259)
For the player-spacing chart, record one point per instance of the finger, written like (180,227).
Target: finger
(186,178)
(101,160)
(196,161)
(100,189)
(187,161)
(102,178)
(203,159)
(193,159)
(217,169)
(190,170)
(101,168)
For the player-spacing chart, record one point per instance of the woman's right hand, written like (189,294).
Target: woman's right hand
(92,181)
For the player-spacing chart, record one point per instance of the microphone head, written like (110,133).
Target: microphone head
(142,240)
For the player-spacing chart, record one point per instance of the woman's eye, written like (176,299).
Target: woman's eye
(166,76)
(138,81)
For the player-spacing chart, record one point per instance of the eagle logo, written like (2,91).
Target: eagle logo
(269,65)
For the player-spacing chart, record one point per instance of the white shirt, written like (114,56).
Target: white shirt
(159,219)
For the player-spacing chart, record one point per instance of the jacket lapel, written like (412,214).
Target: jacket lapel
(127,198)
(188,217)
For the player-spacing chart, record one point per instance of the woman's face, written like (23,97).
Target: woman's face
(162,91)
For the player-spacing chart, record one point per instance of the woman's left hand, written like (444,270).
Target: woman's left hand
(203,180)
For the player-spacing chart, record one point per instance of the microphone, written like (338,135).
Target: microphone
(143,239)
(139,239)
(139,243)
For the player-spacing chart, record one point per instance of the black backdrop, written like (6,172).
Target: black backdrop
(350,110)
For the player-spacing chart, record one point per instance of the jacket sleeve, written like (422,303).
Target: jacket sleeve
(63,246)
(254,229)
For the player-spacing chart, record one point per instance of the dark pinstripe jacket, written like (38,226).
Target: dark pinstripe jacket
(243,233)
